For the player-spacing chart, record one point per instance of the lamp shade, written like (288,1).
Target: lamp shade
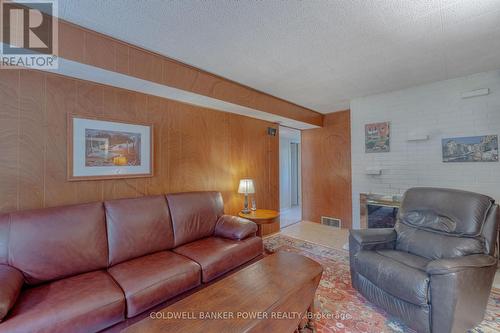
(246,186)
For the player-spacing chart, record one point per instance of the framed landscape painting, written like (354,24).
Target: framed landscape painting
(377,137)
(104,149)
(471,149)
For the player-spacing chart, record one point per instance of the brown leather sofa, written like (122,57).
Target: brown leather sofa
(86,267)
(435,269)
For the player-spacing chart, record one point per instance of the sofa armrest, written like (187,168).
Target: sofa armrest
(234,227)
(453,265)
(11,282)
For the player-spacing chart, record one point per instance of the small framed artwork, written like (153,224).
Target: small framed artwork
(106,149)
(470,149)
(377,137)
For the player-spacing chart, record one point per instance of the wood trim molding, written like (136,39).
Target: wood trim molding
(89,47)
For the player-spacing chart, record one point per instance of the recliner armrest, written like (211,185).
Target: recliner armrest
(234,227)
(11,282)
(368,240)
(453,265)
(373,236)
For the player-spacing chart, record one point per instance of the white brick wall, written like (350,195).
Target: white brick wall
(437,109)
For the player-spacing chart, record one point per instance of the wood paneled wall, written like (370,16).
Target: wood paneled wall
(326,170)
(195,148)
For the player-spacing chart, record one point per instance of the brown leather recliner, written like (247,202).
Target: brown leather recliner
(435,269)
(84,268)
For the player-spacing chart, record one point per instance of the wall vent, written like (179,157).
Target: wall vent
(331,221)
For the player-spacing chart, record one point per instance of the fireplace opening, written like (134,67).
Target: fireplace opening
(378,210)
(381,216)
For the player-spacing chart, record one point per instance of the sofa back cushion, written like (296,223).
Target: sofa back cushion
(137,227)
(194,214)
(52,243)
(443,223)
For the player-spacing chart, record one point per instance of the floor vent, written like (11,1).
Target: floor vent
(331,221)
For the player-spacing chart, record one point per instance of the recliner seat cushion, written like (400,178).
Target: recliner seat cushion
(396,278)
(155,278)
(88,302)
(406,258)
(217,256)
(137,227)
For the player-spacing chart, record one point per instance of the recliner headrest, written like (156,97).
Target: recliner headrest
(450,211)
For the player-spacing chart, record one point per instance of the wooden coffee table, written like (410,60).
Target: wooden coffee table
(271,295)
(261,216)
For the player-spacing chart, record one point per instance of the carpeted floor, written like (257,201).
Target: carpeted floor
(351,313)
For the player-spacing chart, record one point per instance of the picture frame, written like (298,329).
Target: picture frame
(480,148)
(102,148)
(378,137)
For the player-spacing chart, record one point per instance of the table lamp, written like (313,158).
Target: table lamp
(246,187)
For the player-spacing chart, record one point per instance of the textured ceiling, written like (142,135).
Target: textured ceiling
(316,53)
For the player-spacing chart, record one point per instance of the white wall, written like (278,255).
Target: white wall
(285,183)
(438,109)
(287,136)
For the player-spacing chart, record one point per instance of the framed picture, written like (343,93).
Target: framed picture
(105,149)
(470,149)
(377,137)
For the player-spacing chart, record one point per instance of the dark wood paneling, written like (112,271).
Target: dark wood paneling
(195,148)
(248,140)
(31,139)
(98,51)
(326,170)
(9,139)
(61,99)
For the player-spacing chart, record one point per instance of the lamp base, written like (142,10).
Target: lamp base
(245,209)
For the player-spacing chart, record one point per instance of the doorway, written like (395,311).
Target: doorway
(290,177)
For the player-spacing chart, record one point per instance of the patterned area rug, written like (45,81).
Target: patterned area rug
(348,311)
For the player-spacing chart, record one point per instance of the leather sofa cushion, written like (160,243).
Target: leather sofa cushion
(443,210)
(137,227)
(84,303)
(155,278)
(194,214)
(11,282)
(52,243)
(396,278)
(436,245)
(217,256)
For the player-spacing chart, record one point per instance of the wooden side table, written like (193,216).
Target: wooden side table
(261,216)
